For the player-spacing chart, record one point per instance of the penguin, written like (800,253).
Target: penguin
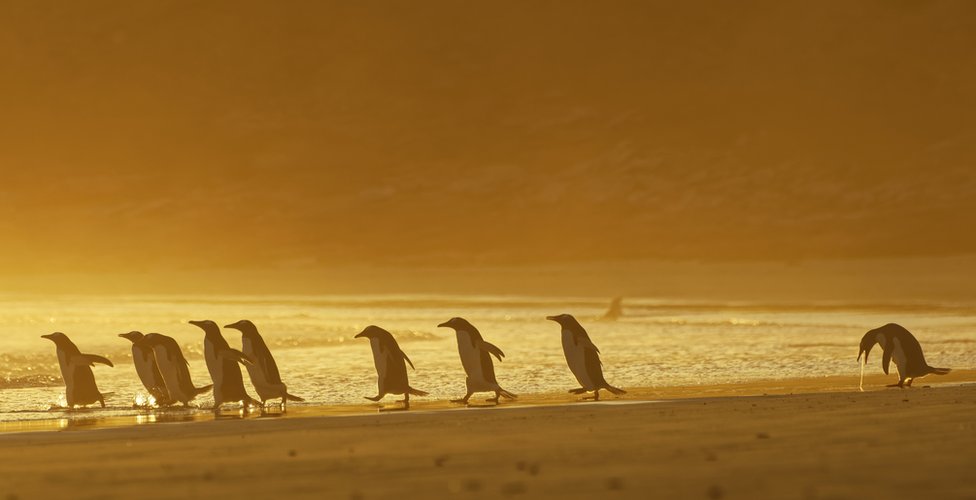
(264,371)
(900,345)
(391,371)
(582,357)
(228,384)
(147,369)
(79,381)
(475,356)
(174,368)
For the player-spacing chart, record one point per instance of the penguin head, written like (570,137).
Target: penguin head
(207,325)
(867,342)
(58,338)
(457,324)
(374,332)
(245,326)
(132,336)
(564,320)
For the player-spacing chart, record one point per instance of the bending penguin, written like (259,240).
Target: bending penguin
(391,371)
(900,345)
(174,368)
(264,371)
(583,358)
(79,381)
(147,369)
(476,359)
(228,384)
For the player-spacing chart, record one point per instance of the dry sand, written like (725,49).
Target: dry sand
(814,443)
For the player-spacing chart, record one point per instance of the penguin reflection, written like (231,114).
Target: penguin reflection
(391,371)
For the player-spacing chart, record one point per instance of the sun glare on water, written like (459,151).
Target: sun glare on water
(145,401)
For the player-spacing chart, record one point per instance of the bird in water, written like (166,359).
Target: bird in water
(897,344)
(79,381)
(476,356)
(263,371)
(222,363)
(147,369)
(583,358)
(391,368)
(615,311)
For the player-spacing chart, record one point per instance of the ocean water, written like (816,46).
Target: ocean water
(655,343)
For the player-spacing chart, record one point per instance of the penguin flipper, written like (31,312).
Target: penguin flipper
(415,392)
(91,359)
(234,354)
(492,349)
(584,340)
(886,360)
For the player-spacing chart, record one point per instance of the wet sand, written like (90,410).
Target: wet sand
(806,438)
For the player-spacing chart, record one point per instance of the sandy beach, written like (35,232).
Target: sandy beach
(805,438)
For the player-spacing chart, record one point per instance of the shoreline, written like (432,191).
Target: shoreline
(89,419)
(805,445)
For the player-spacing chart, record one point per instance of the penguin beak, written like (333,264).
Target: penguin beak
(233,325)
(551,318)
(360,335)
(48,336)
(444,324)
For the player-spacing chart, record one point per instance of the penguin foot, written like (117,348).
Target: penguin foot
(492,400)
(374,398)
(899,385)
(462,401)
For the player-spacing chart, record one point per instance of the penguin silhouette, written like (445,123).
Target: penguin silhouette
(898,344)
(222,363)
(174,368)
(147,369)
(391,369)
(476,360)
(79,381)
(263,371)
(583,358)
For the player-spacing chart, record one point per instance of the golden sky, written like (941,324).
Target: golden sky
(154,136)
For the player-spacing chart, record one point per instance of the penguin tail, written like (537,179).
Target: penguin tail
(505,394)
(614,390)
(940,371)
(416,392)
(200,390)
(289,397)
